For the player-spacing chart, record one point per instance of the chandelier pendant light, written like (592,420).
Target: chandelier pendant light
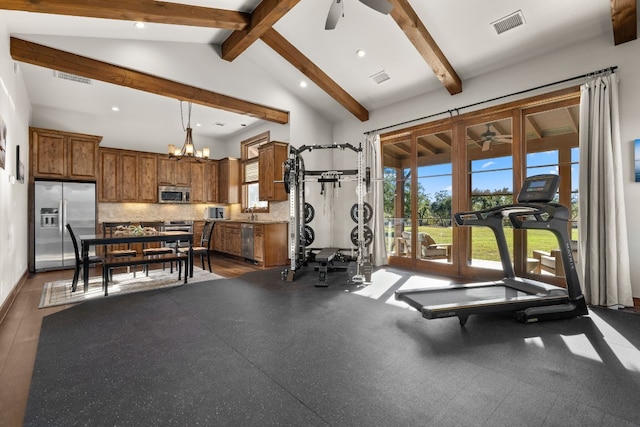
(188,148)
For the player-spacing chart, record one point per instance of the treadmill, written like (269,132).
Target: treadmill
(530,300)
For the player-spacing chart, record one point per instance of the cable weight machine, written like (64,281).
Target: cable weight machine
(301,236)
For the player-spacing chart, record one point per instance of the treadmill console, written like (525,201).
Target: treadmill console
(539,189)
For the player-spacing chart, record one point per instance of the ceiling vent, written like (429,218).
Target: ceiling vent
(380,77)
(509,22)
(219,124)
(72,77)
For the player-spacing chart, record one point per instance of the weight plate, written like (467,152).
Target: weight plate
(309,235)
(286,181)
(366,209)
(367,235)
(309,213)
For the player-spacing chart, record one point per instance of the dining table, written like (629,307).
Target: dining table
(88,240)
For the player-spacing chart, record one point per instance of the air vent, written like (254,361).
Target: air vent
(509,22)
(219,124)
(72,77)
(380,77)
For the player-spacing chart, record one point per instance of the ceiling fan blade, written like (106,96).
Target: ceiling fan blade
(336,11)
(382,6)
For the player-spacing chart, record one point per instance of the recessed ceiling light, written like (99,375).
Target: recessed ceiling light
(198,125)
(303,84)
(361,53)
(139,25)
(115,108)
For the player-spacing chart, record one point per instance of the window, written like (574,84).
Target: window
(250,173)
(490,156)
(472,162)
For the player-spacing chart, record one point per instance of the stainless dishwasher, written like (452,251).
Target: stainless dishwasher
(246,233)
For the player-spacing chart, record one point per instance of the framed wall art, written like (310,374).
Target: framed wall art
(19,166)
(636,155)
(3,143)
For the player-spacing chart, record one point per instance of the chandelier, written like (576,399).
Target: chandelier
(189,148)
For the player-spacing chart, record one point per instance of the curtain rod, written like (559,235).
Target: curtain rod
(457,110)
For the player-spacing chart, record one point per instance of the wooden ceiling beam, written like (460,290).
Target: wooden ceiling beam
(137,10)
(624,20)
(285,49)
(266,14)
(414,29)
(55,59)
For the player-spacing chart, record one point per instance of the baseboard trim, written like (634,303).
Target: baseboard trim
(6,306)
(636,302)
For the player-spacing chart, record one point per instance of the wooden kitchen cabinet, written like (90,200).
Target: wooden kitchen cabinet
(197,182)
(147,178)
(270,244)
(258,242)
(271,156)
(229,180)
(108,190)
(183,173)
(127,176)
(174,172)
(166,171)
(63,155)
(211,181)
(227,238)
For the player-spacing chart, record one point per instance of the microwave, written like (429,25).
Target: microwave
(216,212)
(168,194)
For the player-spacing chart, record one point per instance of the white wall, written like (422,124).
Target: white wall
(568,62)
(14,110)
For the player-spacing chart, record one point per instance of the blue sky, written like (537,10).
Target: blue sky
(496,173)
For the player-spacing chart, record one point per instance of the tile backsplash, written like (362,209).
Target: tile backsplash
(135,212)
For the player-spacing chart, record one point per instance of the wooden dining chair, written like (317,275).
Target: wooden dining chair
(93,260)
(205,244)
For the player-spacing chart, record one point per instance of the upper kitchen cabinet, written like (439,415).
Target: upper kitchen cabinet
(174,172)
(147,177)
(197,182)
(229,180)
(63,155)
(127,176)
(211,180)
(271,156)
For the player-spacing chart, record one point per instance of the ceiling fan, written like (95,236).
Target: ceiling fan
(489,136)
(336,11)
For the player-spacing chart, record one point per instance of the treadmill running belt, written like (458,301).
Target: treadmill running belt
(463,296)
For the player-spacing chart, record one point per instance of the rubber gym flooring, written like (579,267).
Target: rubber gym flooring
(259,351)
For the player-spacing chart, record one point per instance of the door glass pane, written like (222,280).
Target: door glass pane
(397,197)
(489,151)
(434,195)
(552,148)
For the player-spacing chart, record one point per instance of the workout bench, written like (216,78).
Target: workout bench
(325,258)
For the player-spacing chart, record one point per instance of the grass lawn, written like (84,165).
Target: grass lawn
(484,244)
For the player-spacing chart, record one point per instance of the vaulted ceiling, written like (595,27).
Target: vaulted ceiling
(420,46)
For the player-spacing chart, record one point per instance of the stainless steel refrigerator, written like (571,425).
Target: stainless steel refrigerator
(56,204)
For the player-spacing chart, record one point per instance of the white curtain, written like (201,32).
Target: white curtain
(375,197)
(603,256)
